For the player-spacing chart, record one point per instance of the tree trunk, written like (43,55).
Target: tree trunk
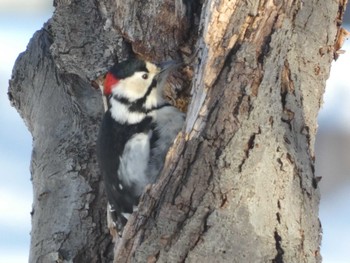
(239,184)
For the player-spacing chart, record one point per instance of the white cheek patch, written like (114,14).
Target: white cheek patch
(133,87)
(153,99)
(120,90)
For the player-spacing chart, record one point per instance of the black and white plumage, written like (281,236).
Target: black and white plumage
(136,132)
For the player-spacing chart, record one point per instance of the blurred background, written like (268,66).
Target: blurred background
(19,19)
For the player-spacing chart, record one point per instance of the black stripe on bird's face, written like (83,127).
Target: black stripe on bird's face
(138,106)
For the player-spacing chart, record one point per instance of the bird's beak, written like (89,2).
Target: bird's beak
(167,66)
(164,69)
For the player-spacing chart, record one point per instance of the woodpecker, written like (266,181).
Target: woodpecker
(136,132)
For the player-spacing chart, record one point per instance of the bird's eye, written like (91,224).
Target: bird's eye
(145,76)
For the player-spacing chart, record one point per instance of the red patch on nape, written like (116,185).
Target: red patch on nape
(110,81)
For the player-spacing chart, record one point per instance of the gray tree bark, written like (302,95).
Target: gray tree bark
(239,184)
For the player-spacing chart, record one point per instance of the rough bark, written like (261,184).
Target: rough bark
(50,89)
(239,183)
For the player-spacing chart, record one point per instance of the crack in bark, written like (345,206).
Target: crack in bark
(278,216)
(265,48)
(280,252)
(205,228)
(249,146)
(66,52)
(238,104)
(187,172)
(281,164)
(315,181)
(287,87)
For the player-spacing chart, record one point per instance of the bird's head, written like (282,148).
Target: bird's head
(134,78)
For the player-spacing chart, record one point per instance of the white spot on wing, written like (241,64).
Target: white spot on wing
(126,215)
(110,208)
